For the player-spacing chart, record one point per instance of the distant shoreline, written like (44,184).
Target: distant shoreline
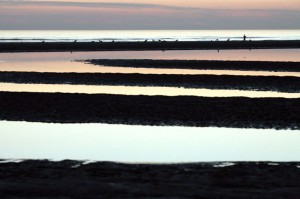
(143,46)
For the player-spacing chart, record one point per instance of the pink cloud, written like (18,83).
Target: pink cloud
(46,9)
(245,13)
(116,16)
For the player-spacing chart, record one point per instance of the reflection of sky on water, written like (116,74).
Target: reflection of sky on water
(254,55)
(138,143)
(79,67)
(134,90)
(61,61)
(21,140)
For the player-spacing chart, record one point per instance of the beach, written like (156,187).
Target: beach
(77,179)
(284,84)
(237,112)
(149,99)
(80,106)
(274,66)
(149,45)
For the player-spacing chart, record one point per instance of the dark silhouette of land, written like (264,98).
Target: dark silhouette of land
(159,45)
(258,83)
(73,179)
(272,66)
(237,112)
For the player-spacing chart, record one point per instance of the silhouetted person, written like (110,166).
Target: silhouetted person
(228,40)
(75,41)
(245,37)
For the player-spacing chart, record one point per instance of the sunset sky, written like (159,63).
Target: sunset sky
(149,14)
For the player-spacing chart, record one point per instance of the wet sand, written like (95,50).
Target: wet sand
(237,112)
(257,83)
(199,64)
(65,179)
(46,179)
(170,45)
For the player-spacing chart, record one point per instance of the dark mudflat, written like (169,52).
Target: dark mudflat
(259,83)
(118,46)
(237,112)
(71,179)
(199,64)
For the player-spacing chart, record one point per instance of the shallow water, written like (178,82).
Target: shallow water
(80,67)
(141,35)
(247,55)
(62,61)
(141,90)
(23,140)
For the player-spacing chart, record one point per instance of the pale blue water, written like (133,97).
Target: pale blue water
(105,142)
(141,35)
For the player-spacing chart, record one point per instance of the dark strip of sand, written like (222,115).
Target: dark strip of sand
(46,179)
(259,83)
(199,64)
(236,112)
(111,46)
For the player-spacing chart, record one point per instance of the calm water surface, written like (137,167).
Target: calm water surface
(64,61)
(134,90)
(141,35)
(247,55)
(22,140)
